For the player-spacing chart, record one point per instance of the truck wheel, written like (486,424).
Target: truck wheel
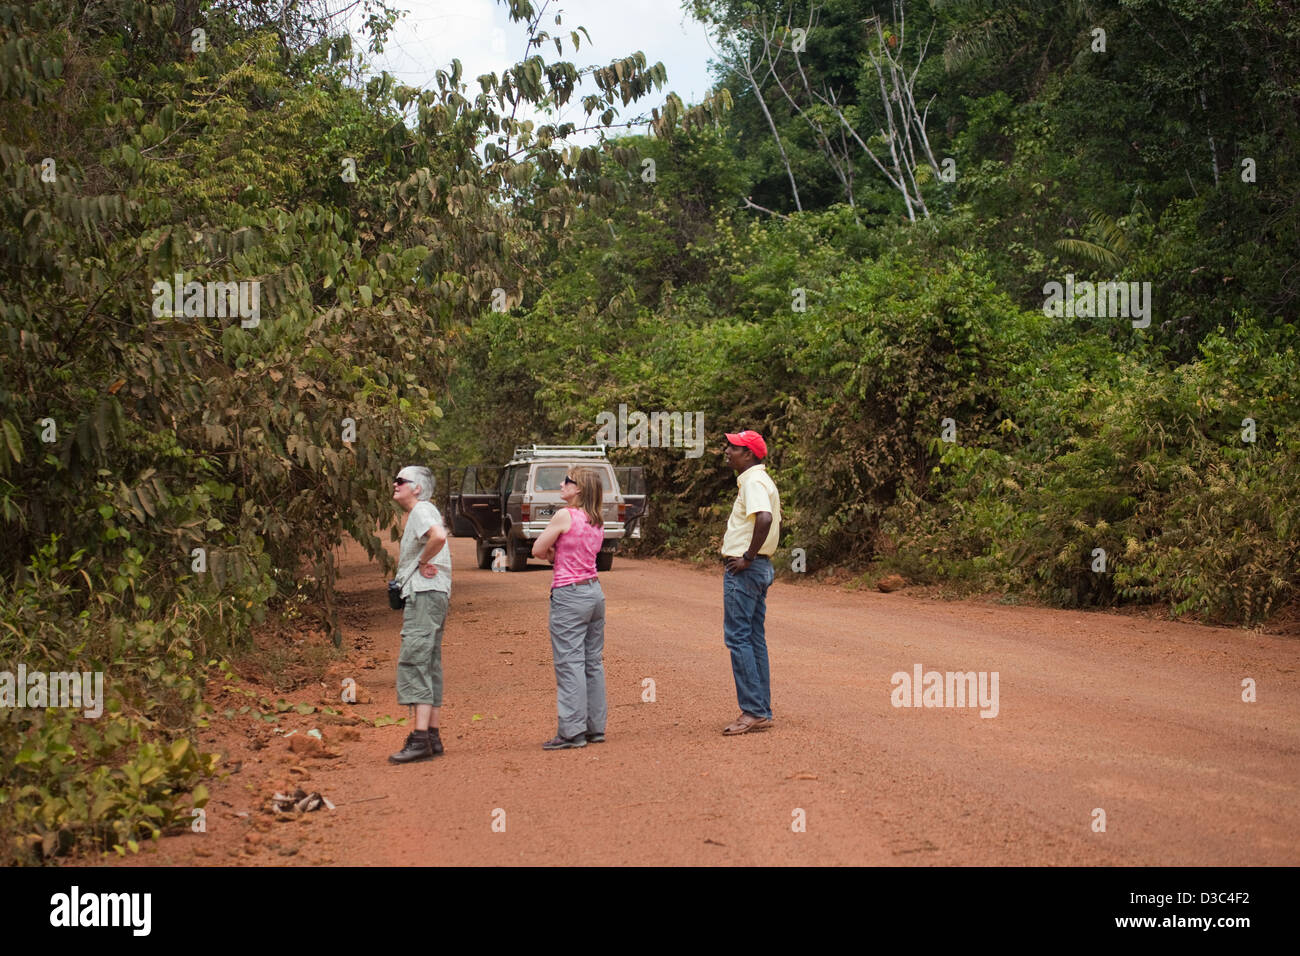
(484,554)
(518,559)
(604,560)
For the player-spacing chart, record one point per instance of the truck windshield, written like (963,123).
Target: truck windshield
(549,477)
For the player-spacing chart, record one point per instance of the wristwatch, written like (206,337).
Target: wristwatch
(748,557)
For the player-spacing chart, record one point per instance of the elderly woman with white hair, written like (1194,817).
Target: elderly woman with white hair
(424,568)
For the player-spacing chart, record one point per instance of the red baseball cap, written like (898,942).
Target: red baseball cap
(749,439)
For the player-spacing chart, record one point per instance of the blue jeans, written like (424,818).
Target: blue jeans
(744,606)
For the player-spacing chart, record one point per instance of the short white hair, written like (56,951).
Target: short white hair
(422,478)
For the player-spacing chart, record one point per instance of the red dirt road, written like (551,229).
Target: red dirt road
(1144,720)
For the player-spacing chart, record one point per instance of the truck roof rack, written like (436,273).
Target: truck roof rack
(560,451)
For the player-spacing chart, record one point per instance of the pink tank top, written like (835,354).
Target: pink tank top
(575,550)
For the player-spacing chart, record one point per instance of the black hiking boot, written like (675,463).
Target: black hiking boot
(417,748)
(435,741)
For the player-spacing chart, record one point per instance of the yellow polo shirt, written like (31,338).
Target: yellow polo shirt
(757,493)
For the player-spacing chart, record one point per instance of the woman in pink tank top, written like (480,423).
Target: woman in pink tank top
(577,620)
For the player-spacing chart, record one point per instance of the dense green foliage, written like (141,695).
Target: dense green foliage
(1071,433)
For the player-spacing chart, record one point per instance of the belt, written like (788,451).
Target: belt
(556,587)
(761,557)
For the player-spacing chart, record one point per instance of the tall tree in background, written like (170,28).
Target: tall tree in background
(872,115)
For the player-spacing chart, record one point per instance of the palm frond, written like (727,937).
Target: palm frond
(1097,254)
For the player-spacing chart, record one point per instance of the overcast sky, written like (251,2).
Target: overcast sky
(480,34)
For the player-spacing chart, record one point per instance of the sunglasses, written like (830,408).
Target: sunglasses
(403,481)
(569,480)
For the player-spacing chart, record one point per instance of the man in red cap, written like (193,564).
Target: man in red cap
(753,530)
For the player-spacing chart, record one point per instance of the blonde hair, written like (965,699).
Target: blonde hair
(591,495)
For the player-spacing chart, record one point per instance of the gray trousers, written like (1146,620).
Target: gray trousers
(578,646)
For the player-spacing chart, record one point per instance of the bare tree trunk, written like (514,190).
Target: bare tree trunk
(750,204)
(904,133)
(840,159)
(1214,153)
(785,160)
(185,18)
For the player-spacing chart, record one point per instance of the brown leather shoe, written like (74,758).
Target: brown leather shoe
(745,723)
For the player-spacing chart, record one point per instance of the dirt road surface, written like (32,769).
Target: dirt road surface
(1096,712)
